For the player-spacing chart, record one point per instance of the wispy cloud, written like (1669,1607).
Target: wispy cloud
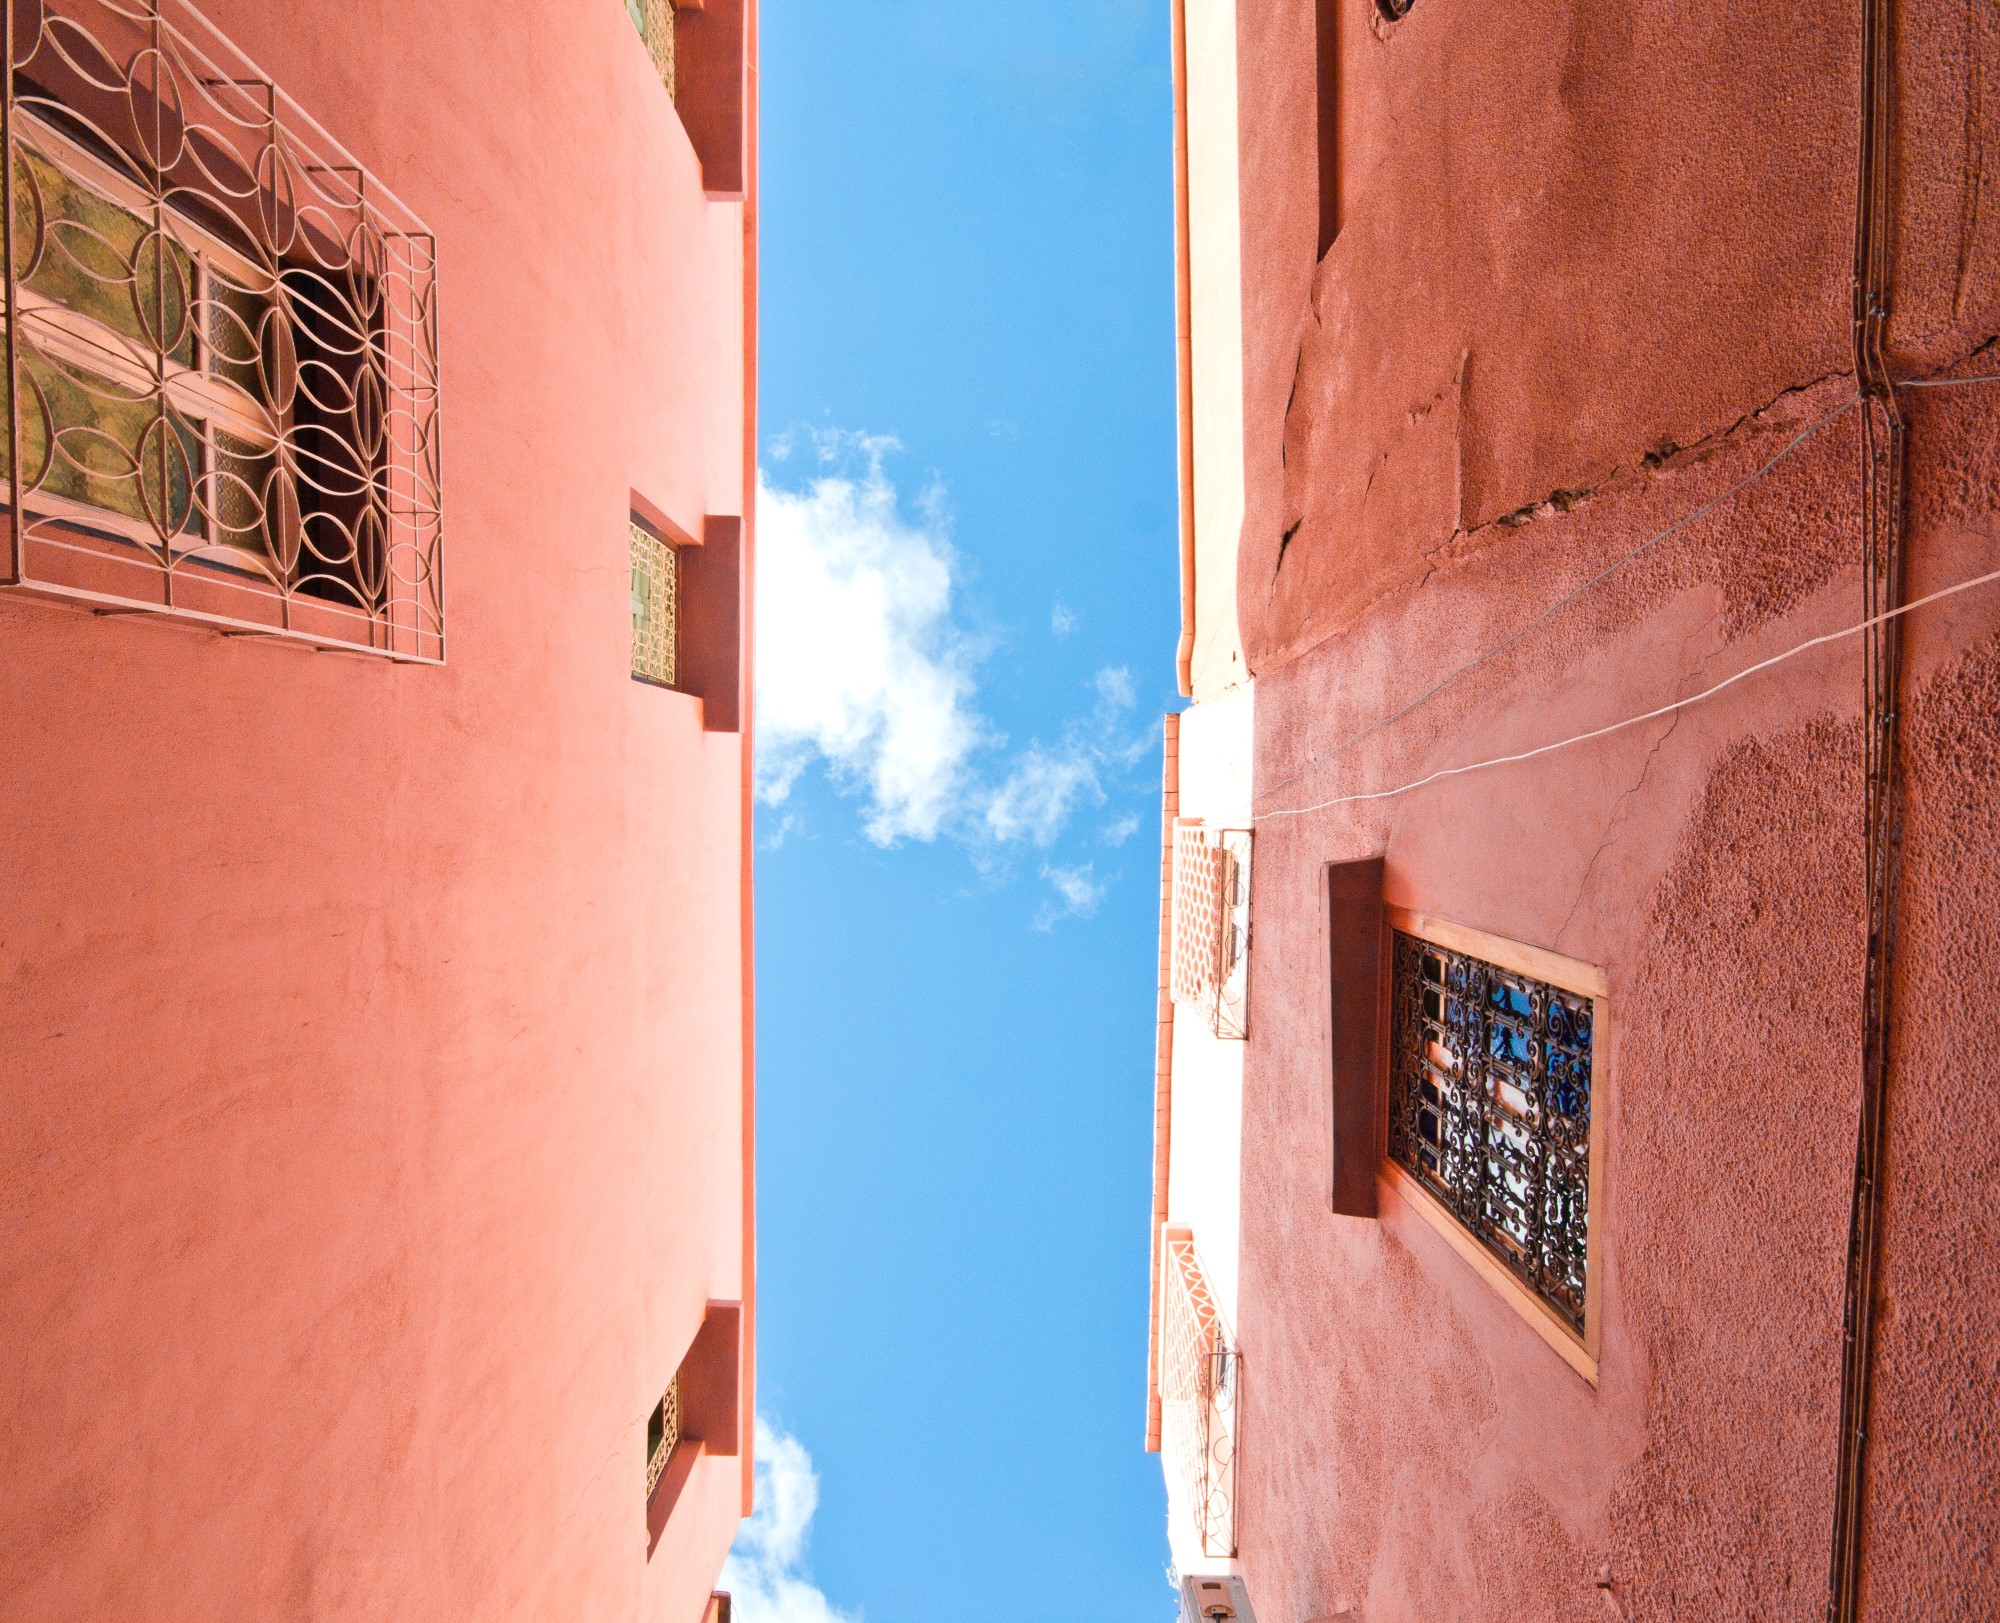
(768,1576)
(1035,799)
(862,665)
(1062,620)
(1077,893)
(1121,829)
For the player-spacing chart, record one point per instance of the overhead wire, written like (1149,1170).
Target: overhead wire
(1569,597)
(1655,714)
(1459,672)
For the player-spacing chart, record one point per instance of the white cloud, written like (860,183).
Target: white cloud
(1077,894)
(1062,620)
(858,660)
(1121,830)
(861,665)
(767,1575)
(1035,800)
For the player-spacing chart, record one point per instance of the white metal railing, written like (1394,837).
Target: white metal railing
(1200,1378)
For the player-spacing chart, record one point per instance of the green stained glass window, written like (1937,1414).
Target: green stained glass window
(113,450)
(101,260)
(654,606)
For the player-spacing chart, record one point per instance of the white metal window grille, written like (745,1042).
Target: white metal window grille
(1211,924)
(663,1432)
(655,609)
(1200,1377)
(221,389)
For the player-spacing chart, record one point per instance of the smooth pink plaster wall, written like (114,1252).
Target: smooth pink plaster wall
(1602,255)
(371,1041)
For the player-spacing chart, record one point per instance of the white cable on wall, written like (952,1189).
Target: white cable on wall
(1809,644)
(1810,430)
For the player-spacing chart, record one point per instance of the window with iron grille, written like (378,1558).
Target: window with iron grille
(1211,925)
(221,394)
(1490,1111)
(663,1433)
(655,608)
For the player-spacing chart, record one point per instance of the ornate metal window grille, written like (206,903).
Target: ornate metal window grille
(655,609)
(663,1432)
(1211,924)
(1200,1375)
(1490,1099)
(221,389)
(655,21)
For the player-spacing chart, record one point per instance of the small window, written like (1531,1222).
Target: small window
(226,397)
(1494,1079)
(1211,923)
(655,608)
(663,1433)
(655,21)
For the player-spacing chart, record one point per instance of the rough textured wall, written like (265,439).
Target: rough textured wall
(371,1053)
(1603,257)
(1571,236)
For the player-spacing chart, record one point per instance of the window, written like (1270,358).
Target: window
(655,21)
(663,1433)
(697,1416)
(224,400)
(1211,921)
(1494,1076)
(655,608)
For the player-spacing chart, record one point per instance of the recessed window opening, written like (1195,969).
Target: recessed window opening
(655,608)
(655,21)
(1326,49)
(663,1433)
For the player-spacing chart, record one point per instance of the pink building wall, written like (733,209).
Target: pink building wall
(376,1037)
(1593,270)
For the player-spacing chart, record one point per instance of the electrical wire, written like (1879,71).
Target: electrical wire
(1568,597)
(1948,383)
(1707,507)
(1743,675)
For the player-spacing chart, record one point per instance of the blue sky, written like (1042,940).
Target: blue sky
(967,624)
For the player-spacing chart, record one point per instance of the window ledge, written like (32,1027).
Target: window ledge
(1490,1268)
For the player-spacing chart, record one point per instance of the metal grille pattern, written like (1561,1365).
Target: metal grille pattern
(655,608)
(663,1433)
(655,21)
(1198,887)
(1200,1374)
(1211,924)
(1490,1110)
(222,387)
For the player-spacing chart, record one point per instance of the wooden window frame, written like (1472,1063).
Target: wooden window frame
(1580,1352)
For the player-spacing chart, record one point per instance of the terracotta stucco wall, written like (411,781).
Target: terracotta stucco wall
(371,1035)
(1593,271)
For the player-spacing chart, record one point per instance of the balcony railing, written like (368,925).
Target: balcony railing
(1200,1379)
(1211,924)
